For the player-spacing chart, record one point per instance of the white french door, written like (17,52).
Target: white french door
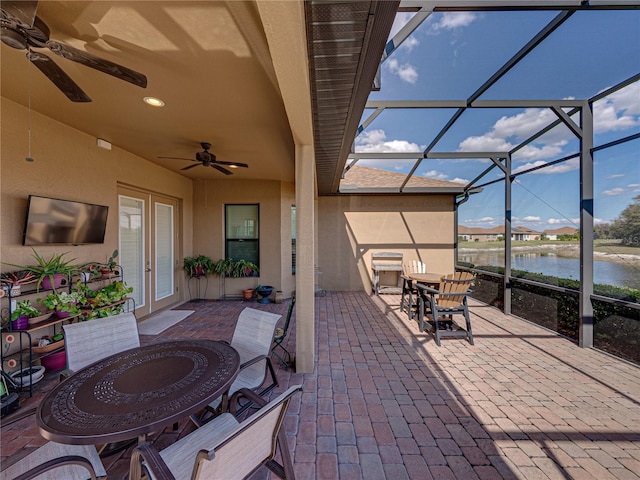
(148,248)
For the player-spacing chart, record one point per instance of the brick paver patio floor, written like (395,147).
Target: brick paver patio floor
(386,403)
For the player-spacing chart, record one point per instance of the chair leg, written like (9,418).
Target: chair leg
(436,325)
(285,354)
(468,319)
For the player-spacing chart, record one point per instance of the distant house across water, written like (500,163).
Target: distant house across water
(478,234)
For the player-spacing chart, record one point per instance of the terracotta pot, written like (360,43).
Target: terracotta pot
(247,293)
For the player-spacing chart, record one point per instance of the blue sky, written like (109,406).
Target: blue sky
(452,54)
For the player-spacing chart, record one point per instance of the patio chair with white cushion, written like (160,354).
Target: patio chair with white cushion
(252,339)
(409,291)
(54,461)
(90,341)
(224,448)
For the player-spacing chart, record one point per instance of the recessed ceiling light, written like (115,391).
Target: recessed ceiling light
(154,102)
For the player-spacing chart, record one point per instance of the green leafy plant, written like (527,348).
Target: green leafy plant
(64,302)
(229,267)
(198,265)
(24,308)
(47,268)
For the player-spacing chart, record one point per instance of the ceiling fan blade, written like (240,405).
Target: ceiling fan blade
(90,60)
(23,11)
(191,166)
(232,164)
(61,80)
(177,158)
(223,170)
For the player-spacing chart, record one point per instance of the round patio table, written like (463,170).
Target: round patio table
(137,392)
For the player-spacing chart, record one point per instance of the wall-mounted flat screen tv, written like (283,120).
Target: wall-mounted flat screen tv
(53,221)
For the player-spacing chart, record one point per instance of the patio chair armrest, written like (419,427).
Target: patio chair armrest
(54,463)
(427,289)
(249,394)
(153,461)
(253,360)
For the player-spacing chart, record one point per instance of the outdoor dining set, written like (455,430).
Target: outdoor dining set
(116,392)
(432,299)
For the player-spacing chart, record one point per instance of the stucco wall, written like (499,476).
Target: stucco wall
(350,228)
(275,200)
(69,165)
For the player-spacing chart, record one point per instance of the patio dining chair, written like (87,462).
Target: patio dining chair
(90,341)
(441,305)
(279,337)
(224,448)
(252,339)
(409,291)
(54,461)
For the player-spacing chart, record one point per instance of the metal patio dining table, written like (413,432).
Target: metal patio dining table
(137,392)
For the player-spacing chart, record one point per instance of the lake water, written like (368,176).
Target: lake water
(608,273)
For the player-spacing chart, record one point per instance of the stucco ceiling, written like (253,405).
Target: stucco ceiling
(208,61)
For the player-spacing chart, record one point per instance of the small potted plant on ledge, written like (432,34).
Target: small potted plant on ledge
(50,273)
(21,315)
(64,304)
(198,265)
(12,281)
(108,267)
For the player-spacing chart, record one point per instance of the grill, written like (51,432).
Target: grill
(390,265)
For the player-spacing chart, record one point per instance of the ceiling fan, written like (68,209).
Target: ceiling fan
(208,159)
(23,30)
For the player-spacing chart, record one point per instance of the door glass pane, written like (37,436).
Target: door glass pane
(131,216)
(164,250)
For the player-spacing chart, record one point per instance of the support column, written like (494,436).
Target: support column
(508,184)
(585,336)
(305,259)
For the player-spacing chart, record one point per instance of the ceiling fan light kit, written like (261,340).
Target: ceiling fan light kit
(18,31)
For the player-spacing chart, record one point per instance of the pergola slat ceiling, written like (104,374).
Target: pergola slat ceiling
(346,41)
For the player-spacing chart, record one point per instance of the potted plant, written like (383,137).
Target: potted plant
(21,315)
(244,268)
(198,265)
(64,304)
(228,267)
(51,272)
(110,265)
(13,281)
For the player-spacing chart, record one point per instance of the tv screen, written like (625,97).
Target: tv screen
(53,221)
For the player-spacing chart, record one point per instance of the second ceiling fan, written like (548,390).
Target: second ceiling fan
(208,159)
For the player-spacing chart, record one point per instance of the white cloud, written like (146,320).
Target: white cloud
(376,141)
(405,72)
(481,221)
(435,174)
(453,21)
(618,111)
(531,218)
(613,192)
(616,175)
(443,176)
(555,221)
(633,185)
(568,166)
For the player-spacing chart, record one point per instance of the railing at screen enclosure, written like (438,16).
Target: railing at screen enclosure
(553,303)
